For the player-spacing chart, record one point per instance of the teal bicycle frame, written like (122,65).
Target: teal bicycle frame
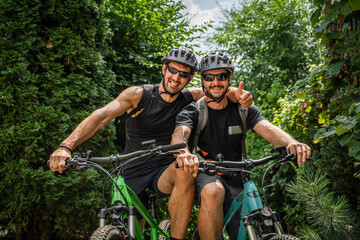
(255,218)
(249,201)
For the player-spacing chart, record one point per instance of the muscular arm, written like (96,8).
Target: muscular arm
(189,162)
(278,137)
(196,93)
(126,101)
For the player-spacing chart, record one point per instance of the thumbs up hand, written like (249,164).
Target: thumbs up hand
(242,96)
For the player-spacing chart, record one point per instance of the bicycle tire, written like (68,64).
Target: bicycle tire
(165,226)
(107,232)
(284,237)
(196,235)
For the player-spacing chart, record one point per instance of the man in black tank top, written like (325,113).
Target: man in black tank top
(151,115)
(222,134)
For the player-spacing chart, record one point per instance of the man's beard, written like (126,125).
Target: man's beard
(219,97)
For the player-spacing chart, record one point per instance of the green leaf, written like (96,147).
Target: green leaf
(333,35)
(340,129)
(350,125)
(322,117)
(337,5)
(352,107)
(335,68)
(342,50)
(318,29)
(345,139)
(322,133)
(315,16)
(354,150)
(321,2)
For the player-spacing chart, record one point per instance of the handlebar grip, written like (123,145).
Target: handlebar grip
(171,147)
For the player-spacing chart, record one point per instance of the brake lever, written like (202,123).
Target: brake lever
(208,171)
(76,165)
(167,153)
(281,150)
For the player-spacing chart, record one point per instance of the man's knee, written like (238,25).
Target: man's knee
(213,193)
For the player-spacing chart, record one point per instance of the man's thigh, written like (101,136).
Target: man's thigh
(166,180)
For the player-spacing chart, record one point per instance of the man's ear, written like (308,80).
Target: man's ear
(230,79)
(163,68)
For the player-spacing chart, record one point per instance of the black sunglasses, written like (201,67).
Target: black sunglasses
(174,70)
(211,77)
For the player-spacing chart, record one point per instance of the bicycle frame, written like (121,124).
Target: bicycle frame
(133,201)
(249,201)
(125,202)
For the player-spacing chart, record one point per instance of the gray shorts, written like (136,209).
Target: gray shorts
(203,179)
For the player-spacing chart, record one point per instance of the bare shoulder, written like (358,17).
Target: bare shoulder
(197,93)
(131,95)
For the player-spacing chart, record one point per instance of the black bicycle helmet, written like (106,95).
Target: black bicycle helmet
(213,61)
(182,55)
(216,60)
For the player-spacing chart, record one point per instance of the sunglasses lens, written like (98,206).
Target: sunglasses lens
(209,77)
(172,70)
(182,74)
(222,76)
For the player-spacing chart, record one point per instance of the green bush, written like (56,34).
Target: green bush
(61,60)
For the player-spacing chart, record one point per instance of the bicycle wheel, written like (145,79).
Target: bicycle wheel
(284,237)
(196,235)
(165,226)
(107,232)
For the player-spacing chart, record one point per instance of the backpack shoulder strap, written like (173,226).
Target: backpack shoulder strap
(202,120)
(243,115)
(144,100)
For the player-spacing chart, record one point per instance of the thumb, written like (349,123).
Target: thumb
(241,86)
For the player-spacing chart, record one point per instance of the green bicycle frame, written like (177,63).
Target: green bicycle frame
(133,200)
(248,200)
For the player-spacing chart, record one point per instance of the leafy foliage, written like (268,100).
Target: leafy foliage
(323,107)
(271,44)
(59,61)
(277,46)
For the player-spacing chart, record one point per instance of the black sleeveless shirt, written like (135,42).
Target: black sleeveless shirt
(156,121)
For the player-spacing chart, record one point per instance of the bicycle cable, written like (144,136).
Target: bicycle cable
(263,180)
(108,174)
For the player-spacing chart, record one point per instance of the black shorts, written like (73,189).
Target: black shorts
(146,178)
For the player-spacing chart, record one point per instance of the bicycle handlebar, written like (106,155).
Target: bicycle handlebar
(247,164)
(158,150)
